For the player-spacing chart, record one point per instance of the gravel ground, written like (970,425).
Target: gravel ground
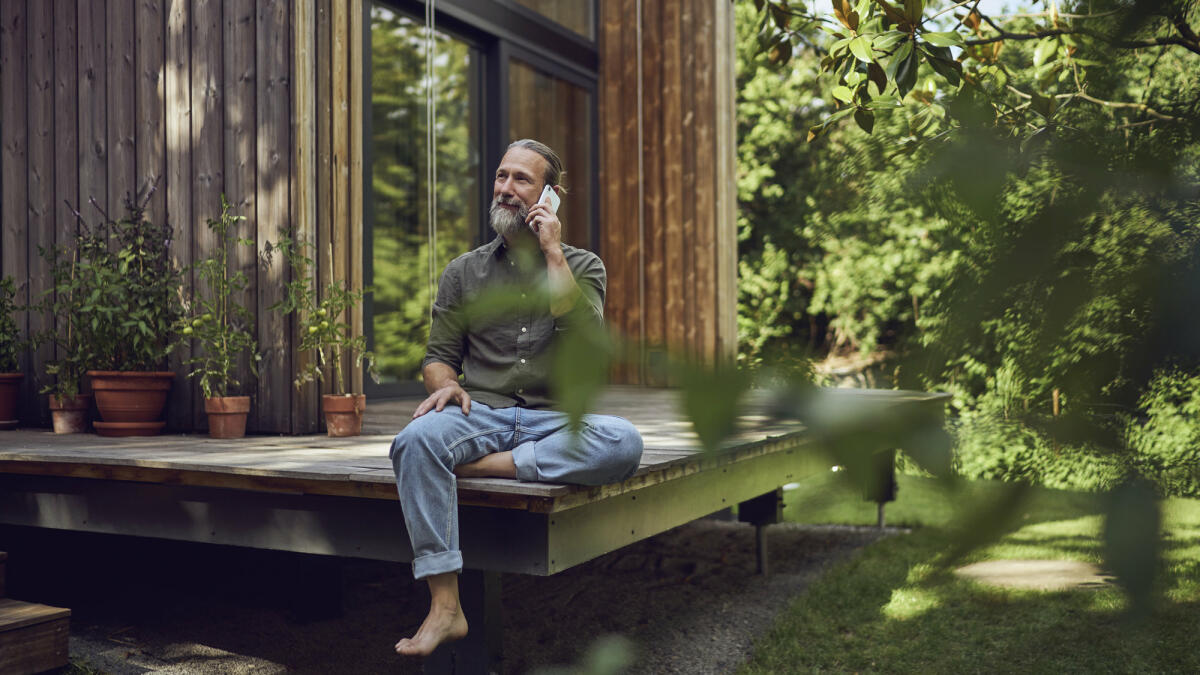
(688,600)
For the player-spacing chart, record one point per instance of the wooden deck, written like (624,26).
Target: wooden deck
(317,494)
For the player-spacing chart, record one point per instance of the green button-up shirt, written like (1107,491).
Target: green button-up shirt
(504,357)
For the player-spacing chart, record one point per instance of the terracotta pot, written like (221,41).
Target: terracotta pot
(343,414)
(70,415)
(10,384)
(227,416)
(130,398)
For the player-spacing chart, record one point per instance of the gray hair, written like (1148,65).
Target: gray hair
(554,165)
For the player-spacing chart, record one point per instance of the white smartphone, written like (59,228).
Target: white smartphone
(549,196)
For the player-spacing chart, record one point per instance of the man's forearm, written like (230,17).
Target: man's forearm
(437,375)
(564,291)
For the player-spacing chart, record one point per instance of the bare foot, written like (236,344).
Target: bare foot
(443,624)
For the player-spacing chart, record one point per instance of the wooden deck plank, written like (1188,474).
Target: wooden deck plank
(360,467)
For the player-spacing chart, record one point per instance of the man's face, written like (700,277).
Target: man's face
(518,184)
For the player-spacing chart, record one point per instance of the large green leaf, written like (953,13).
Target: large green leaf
(712,400)
(1132,527)
(861,48)
(582,356)
(949,39)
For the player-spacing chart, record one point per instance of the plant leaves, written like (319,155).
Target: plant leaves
(712,400)
(947,69)
(865,119)
(861,48)
(1131,540)
(949,39)
(906,74)
(897,59)
(843,93)
(885,41)
(875,74)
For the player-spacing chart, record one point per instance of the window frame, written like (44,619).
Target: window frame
(497,31)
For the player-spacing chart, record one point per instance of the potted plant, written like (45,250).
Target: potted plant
(222,327)
(323,328)
(67,332)
(11,346)
(132,301)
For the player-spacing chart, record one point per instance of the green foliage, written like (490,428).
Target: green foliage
(1032,194)
(1167,438)
(11,344)
(322,319)
(130,290)
(63,306)
(220,325)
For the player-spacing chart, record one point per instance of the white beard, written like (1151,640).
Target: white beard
(507,223)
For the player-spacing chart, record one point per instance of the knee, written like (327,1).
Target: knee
(625,449)
(416,442)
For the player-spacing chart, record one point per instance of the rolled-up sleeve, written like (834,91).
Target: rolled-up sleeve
(592,280)
(448,329)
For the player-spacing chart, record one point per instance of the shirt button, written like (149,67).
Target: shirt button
(522,360)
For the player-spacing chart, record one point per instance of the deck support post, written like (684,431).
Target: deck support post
(763,510)
(480,652)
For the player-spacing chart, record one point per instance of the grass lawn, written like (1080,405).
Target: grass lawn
(891,609)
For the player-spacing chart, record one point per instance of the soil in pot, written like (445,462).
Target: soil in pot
(343,414)
(70,414)
(10,384)
(227,416)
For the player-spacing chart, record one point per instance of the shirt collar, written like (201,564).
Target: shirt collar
(495,247)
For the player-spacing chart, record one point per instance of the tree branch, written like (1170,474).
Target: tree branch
(1187,37)
(1005,35)
(1119,104)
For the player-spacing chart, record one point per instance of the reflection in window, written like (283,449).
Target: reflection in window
(558,114)
(400,231)
(574,14)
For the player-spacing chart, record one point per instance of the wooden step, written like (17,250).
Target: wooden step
(33,638)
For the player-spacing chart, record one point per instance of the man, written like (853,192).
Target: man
(497,421)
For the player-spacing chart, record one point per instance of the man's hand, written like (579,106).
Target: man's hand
(547,227)
(451,393)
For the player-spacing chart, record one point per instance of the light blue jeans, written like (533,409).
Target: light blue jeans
(606,450)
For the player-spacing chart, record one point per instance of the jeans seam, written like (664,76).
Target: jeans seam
(463,439)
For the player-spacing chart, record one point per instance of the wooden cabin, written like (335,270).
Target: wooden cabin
(312,115)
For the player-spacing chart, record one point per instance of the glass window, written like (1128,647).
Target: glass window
(401,234)
(574,14)
(558,114)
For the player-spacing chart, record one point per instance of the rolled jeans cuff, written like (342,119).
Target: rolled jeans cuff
(526,462)
(437,563)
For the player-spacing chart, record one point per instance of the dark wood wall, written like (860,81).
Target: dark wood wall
(102,99)
(667,178)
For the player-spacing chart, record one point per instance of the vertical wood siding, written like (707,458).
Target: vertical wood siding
(102,99)
(679,293)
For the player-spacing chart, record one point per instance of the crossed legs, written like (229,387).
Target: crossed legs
(435,449)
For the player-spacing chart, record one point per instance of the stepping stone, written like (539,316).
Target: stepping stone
(1040,575)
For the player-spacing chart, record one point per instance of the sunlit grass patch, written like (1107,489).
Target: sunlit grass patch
(893,609)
